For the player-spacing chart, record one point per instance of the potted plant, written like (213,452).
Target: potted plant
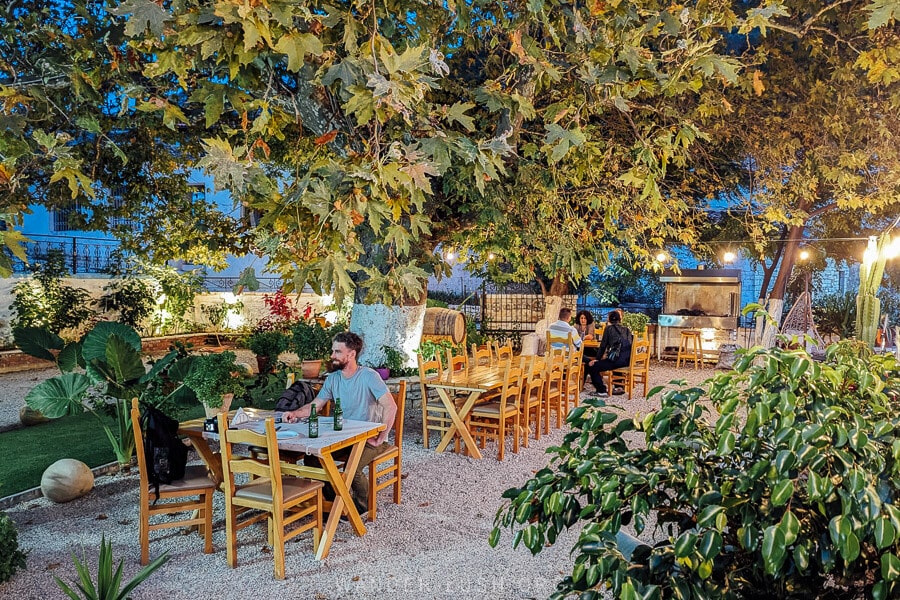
(215,378)
(636,322)
(267,345)
(393,362)
(312,343)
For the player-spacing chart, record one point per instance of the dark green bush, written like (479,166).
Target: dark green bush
(835,314)
(11,558)
(45,301)
(789,490)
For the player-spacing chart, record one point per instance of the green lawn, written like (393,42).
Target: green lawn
(28,451)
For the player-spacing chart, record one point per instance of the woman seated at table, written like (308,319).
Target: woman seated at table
(584,324)
(614,352)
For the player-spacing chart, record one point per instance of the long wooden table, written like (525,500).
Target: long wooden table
(475,382)
(354,436)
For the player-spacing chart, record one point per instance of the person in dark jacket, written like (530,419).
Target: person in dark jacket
(614,352)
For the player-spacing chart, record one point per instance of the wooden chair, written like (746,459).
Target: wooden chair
(434,413)
(456,365)
(573,378)
(502,353)
(554,364)
(489,420)
(390,461)
(283,499)
(483,357)
(194,493)
(637,372)
(532,397)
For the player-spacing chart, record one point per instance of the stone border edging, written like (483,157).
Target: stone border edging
(35,492)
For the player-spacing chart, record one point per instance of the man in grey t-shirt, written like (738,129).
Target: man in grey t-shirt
(361,391)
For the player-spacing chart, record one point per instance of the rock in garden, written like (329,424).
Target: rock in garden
(66,479)
(28,416)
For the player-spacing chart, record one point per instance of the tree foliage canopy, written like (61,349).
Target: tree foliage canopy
(555,134)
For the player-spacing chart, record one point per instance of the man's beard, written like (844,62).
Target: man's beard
(335,365)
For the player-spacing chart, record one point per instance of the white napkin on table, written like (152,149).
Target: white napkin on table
(240,417)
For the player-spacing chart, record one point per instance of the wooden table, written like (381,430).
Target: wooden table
(354,436)
(475,382)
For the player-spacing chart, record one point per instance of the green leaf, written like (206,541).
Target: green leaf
(69,357)
(684,544)
(884,533)
(124,361)
(890,566)
(296,46)
(37,342)
(850,548)
(145,14)
(709,545)
(94,345)
(726,444)
(782,492)
(247,279)
(773,549)
(59,396)
(883,11)
(708,515)
(790,527)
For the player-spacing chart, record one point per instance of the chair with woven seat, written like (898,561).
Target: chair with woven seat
(532,397)
(192,493)
(489,420)
(276,491)
(389,462)
(637,371)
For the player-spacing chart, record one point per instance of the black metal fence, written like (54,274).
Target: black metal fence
(82,255)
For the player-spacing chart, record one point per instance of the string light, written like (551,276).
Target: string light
(729,256)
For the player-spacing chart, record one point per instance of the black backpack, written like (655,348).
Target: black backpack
(165,453)
(299,394)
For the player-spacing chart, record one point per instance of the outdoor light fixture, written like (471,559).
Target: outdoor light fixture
(662,257)
(451,255)
(804,255)
(729,257)
(491,256)
(893,249)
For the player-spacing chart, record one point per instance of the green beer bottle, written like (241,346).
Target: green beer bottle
(338,415)
(313,422)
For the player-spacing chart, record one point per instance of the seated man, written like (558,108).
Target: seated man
(561,329)
(362,393)
(616,346)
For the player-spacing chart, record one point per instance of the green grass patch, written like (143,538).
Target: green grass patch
(28,451)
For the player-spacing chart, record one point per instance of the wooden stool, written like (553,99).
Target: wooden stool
(690,347)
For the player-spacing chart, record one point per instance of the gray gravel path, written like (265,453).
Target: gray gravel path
(433,545)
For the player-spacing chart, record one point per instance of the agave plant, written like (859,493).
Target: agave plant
(113,373)
(108,582)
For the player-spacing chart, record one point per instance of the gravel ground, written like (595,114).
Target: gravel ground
(433,545)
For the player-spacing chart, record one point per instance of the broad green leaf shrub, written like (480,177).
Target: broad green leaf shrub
(11,558)
(790,492)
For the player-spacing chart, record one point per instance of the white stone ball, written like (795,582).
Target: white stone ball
(66,479)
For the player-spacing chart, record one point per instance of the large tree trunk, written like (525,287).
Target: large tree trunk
(381,325)
(775,306)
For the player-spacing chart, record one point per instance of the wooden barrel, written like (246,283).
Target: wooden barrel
(445,322)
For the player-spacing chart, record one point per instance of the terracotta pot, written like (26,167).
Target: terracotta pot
(384,372)
(311,368)
(226,405)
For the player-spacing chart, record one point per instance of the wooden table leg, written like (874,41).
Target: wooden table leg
(459,425)
(343,500)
